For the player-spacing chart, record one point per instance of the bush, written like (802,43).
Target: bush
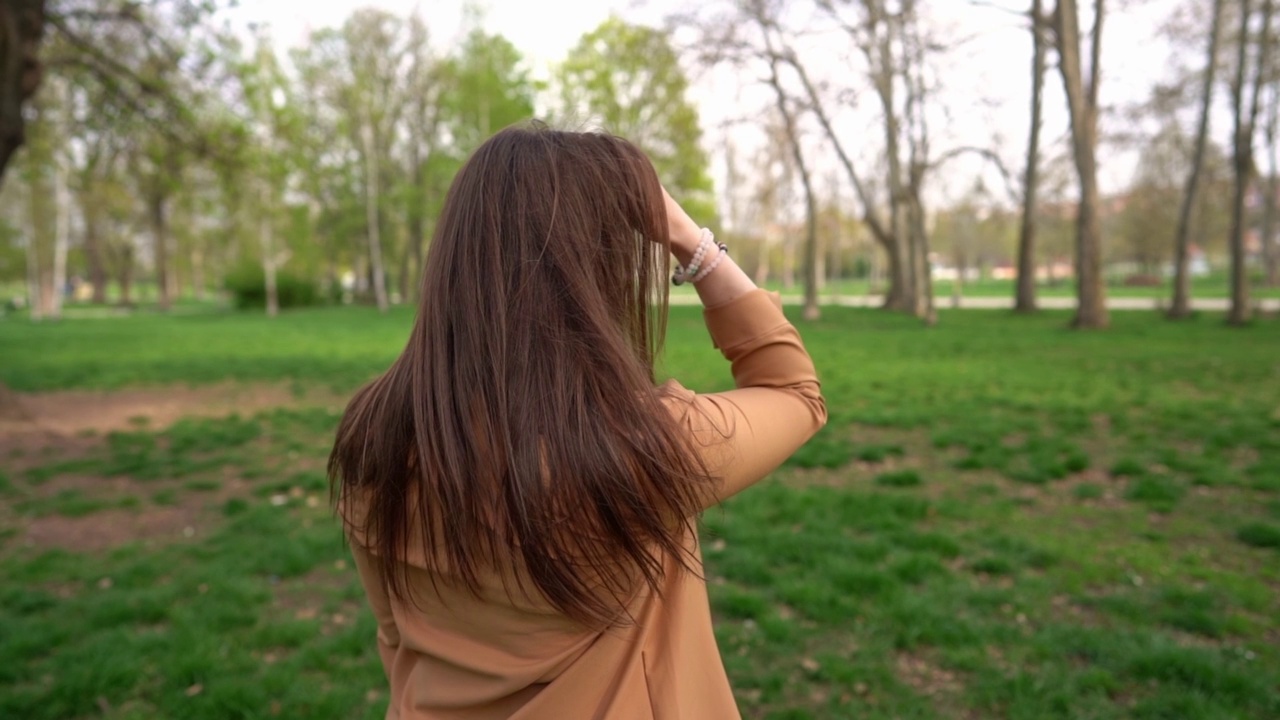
(248,287)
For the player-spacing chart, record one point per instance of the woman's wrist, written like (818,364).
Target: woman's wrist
(684,242)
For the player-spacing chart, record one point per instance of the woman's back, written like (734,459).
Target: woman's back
(519,496)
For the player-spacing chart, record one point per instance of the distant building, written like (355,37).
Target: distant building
(1056,270)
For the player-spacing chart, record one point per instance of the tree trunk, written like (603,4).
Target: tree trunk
(21,30)
(269,268)
(93,251)
(1091,310)
(1241,163)
(1270,252)
(811,309)
(957,286)
(126,276)
(372,219)
(416,225)
(761,274)
(834,268)
(1239,313)
(1270,261)
(789,261)
(417,239)
(157,214)
(812,258)
(923,307)
(1242,154)
(1181,306)
(907,287)
(1025,295)
(1082,101)
(820,275)
(894,296)
(61,231)
(198,285)
(34,309)
(402,282)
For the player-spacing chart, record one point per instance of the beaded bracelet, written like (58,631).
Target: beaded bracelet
(706,242)
(724,250)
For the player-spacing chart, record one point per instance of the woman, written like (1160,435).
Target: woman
(519,496)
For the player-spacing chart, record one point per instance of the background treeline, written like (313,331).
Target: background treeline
(170,156)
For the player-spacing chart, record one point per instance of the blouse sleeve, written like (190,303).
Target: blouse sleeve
(370,569)
(746,433)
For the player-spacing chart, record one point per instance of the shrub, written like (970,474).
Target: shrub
(248,287)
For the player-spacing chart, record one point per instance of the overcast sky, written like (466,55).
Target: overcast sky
(985,98)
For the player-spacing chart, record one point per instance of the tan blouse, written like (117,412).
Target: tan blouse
(452,655)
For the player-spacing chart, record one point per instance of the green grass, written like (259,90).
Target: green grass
(1003,518)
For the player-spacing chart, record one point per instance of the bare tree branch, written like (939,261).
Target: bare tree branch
(1011,185)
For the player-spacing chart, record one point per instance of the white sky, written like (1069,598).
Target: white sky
(985,99)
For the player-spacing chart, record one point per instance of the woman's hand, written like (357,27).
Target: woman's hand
(722,286)
(684,232)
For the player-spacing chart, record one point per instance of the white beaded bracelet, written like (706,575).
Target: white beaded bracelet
(682,275)
(724,250)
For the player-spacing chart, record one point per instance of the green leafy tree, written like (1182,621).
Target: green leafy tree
(628,78)
(488,88)
(271,159)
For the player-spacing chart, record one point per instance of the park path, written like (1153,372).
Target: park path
(1006,303)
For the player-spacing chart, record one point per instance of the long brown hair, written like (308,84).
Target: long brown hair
(521,426)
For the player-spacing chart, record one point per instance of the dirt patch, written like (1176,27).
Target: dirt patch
(943,687)
(108,528)
(927,678)
(38,428)
(24,447)
(11,408)
(193,515)
(76,412)
(304,594)
(320,596)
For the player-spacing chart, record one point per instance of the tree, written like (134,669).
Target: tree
(1082,103)
(101,129)
(811,309)
(892,43)
(486,88)
(1181,306)
(22,26)
(330,185)
(629,78)
(1152,212)
(123,45)
(273,123)
(422,119)
(375,50)
(37,170)
(1270,251)
(1025,293)
(895,48)
(357,89)
(1250,72)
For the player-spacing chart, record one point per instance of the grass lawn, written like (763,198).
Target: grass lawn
(1003,518)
